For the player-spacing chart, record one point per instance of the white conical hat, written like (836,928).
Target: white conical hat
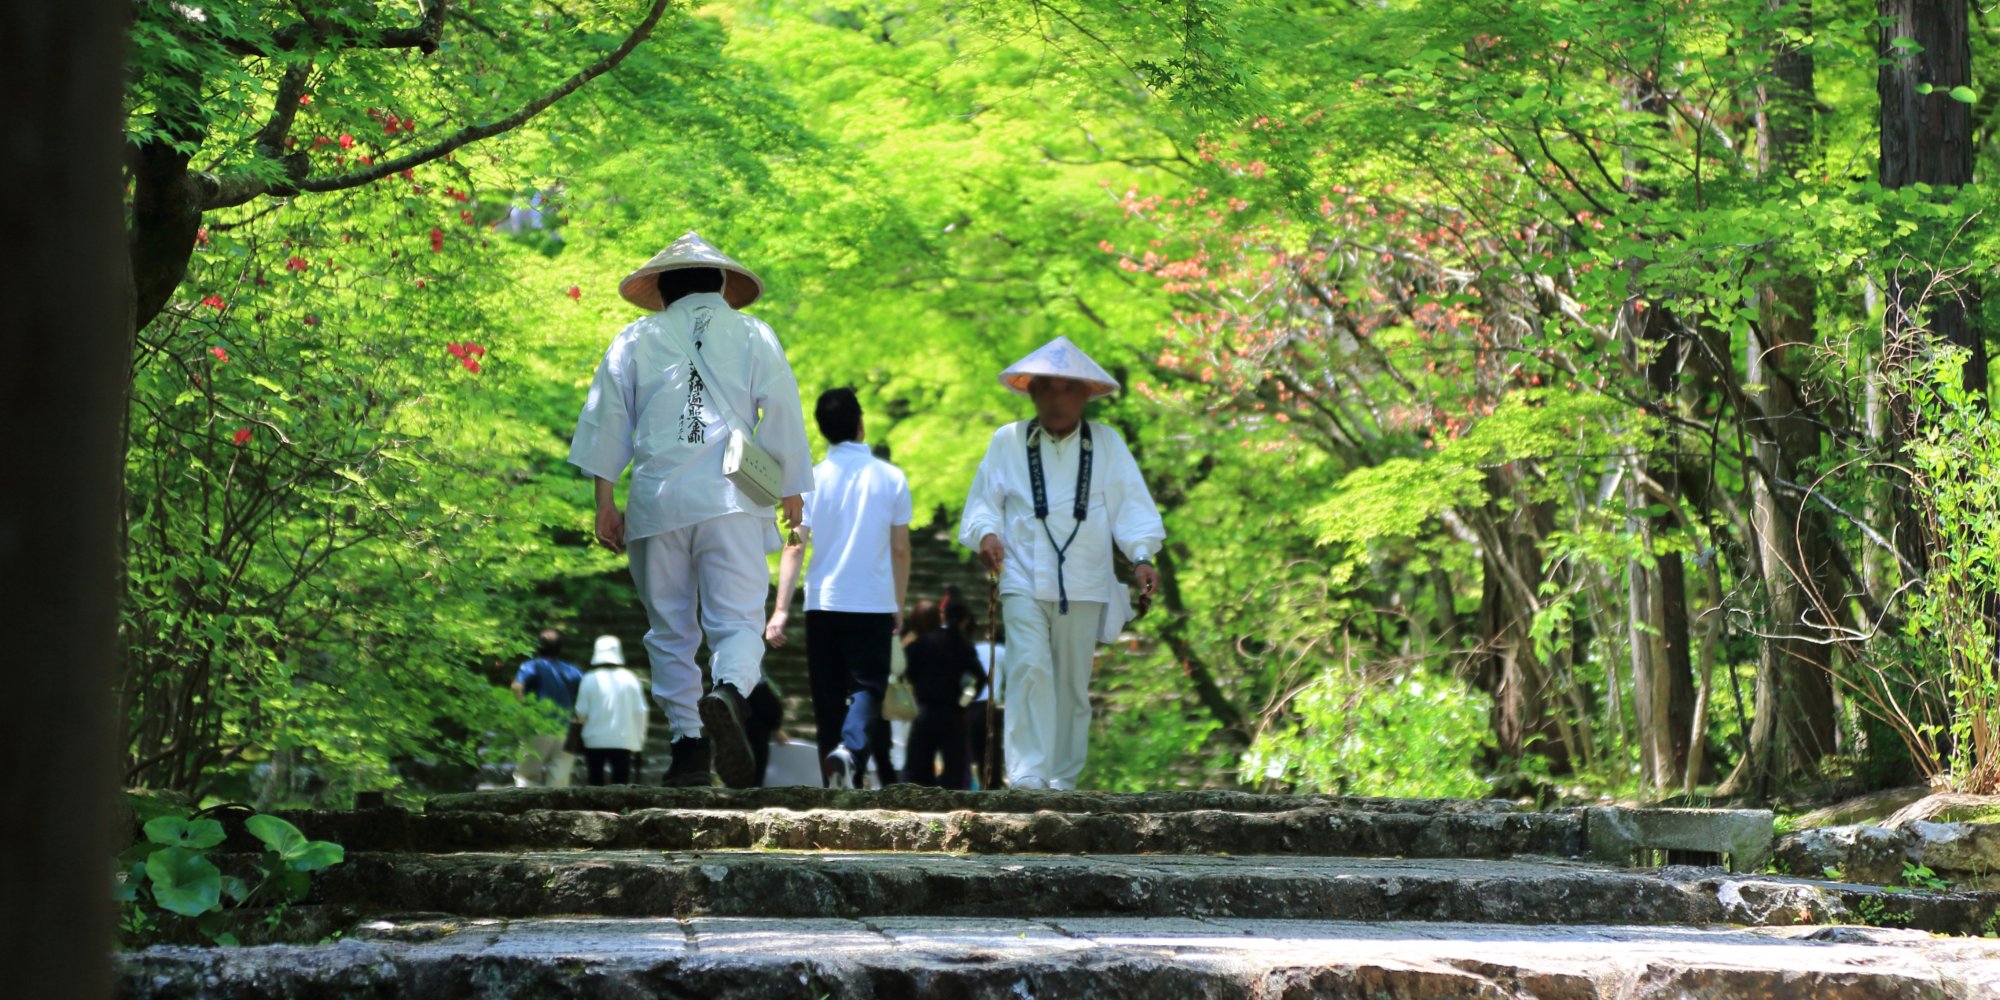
(609,650)
(1059,359)
(740,285)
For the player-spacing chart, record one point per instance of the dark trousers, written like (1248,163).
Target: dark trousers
(847,658)
(620,761)
(879,739)
(767,713)
(975,743)
(938,730)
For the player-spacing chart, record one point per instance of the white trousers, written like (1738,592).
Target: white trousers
(1047,691)
(712,574)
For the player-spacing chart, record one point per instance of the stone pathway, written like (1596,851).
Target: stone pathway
(1158,959)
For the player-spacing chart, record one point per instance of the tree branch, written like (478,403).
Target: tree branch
(236,189)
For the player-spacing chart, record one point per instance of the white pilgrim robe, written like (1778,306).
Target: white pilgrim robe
(1045,678)
(696,544)
(1002,502)
(639,413)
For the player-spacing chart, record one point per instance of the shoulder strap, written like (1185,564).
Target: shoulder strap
(687,344)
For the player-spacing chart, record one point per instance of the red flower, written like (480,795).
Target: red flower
(241,437)
(575,293)
(437,240)
(220,354)
(346,141)
(295,263)
(201,236)
(408,174)
(465,217)
(455,349)
(391,124)
(472,366)
(473,350)
(305,99)
(367,161)
(320,140)
(422,284)
(213,302)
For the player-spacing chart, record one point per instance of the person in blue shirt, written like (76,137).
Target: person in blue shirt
(543,762)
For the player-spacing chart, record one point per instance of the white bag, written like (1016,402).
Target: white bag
(756,473)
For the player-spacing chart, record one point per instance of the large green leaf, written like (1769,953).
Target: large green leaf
(291,845)
(184,882)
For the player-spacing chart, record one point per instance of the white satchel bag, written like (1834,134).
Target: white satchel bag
(757,473)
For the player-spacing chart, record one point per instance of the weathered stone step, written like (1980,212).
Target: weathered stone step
(1164,959)
(1319,830)
(786,884)
(914,798)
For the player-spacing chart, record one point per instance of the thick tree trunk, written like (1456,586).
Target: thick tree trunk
(1926,138)
(1794,719)
(66,311)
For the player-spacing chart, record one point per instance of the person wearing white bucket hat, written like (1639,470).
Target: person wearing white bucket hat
(612,708)
(676,397)
(1051,497)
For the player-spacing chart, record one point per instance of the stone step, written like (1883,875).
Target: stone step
(831,884)
(914,798)
(1315,830)
(724,958)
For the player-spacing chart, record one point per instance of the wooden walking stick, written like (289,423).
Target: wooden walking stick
(989,776)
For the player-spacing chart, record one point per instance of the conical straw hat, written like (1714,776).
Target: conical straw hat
(740,285)
(1059,359)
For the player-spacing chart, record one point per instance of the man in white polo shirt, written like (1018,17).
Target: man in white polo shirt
(857,519)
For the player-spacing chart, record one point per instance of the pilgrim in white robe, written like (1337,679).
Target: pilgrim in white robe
(696,544)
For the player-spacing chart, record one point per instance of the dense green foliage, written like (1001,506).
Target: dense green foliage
(1447,329)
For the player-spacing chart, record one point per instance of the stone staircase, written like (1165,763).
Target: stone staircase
(812,893)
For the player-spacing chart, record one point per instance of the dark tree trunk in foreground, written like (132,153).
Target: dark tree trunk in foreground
(67,319)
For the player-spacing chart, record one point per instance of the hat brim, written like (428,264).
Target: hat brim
(740,287)
(1018,382)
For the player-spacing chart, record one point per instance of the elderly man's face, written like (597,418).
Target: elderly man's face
(1059,402)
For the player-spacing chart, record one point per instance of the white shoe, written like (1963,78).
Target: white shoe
(836,769)
(1061,785)
(1025,782)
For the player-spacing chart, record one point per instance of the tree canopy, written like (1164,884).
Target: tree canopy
(1549,400)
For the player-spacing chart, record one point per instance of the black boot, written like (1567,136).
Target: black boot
(690,767)
(722,713)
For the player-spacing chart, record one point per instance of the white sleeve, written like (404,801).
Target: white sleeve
(781,420)
(902,513)
(602,445)
(1135,519)
(985,502)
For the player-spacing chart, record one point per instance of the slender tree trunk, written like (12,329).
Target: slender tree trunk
(66,308)
(1662,682)
(1793,724)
